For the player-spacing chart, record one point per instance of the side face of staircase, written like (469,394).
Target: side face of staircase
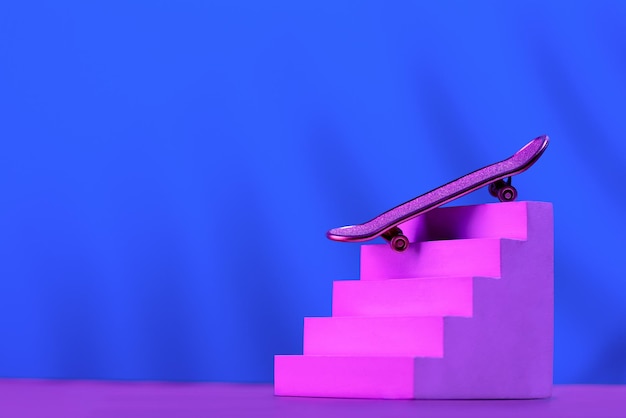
(466,312)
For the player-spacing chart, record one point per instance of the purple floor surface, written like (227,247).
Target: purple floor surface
(70,399)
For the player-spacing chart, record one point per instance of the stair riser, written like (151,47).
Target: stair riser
(344,377)
(404,297)
(475,257)
(376,336)
(493,220)
(464,222)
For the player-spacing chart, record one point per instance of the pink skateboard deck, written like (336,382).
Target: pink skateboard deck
(494,175)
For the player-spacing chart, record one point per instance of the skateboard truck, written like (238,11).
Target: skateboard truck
(396,239)
(503,190)
(497,177)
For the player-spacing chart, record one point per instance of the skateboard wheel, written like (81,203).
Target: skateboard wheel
(399,243)
(507,194)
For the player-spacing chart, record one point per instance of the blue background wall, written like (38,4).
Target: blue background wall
(168,169)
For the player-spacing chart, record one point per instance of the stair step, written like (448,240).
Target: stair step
(344,376)
(464,257)
(376,336)
(493,220)
(441,296)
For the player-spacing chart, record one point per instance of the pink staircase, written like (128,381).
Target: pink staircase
(465,312)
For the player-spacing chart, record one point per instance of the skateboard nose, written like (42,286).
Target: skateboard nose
(340,234)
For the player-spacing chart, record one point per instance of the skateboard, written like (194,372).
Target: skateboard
(497,177)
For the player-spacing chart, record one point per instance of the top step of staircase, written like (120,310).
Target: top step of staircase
(491,220)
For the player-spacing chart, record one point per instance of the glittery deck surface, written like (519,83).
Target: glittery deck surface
(516,164)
